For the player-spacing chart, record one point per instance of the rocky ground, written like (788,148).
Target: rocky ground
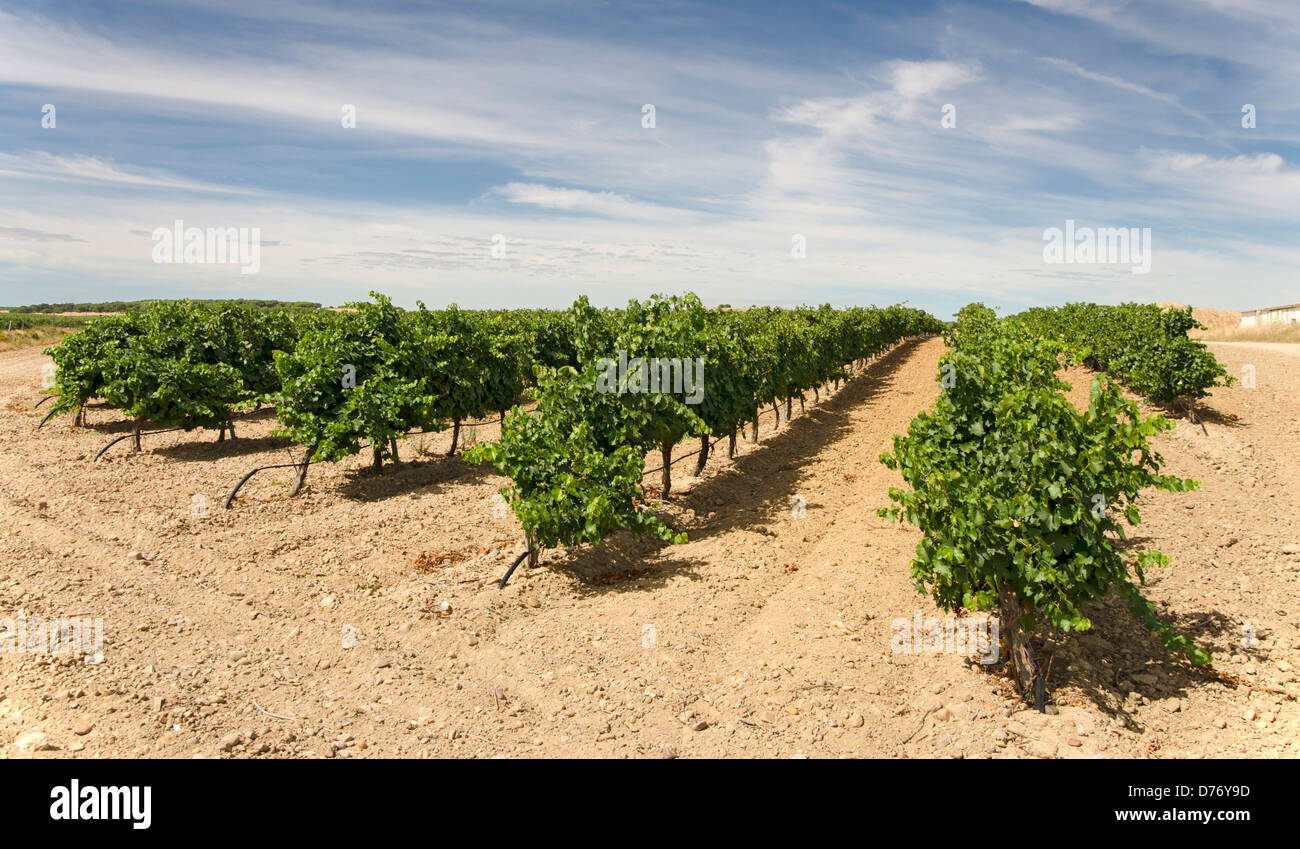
(362,618)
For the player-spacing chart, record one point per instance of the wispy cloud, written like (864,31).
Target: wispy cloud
(28,235)
(583,201)
(1122,84)
(528,122)
(44,167)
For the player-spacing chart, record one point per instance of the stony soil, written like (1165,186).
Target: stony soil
(768,634)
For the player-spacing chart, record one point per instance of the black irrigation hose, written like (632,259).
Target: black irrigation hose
(501,585)
(150,432)
(298,465)
(244,479)
(683,457)
(1196,419)
(484,422)
(48,416)
(131,434)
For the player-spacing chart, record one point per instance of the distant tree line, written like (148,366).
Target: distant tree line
(138,306)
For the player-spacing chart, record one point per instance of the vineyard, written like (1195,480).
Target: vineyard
(1019,494)
(1023,452)
(374,374)
(1141,345)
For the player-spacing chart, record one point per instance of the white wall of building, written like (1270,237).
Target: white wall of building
(1275,315)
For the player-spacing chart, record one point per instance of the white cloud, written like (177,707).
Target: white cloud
(27,234)
(45,167)
(914,80)
(1259,33)
(748,151)
(1121,83)
(1258,185)
(583,201)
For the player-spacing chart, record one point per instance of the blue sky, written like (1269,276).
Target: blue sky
(771,120)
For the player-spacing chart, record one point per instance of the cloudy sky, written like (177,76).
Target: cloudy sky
(527,122)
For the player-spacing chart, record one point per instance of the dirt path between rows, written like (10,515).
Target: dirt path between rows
(1290,349)
(362,618)
(17,370)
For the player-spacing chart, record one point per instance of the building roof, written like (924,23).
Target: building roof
(1271,309)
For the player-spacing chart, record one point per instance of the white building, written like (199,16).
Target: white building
(1271,315)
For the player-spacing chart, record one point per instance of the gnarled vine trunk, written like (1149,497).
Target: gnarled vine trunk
(704,455)
(666,474)
(301,477)
(455,435)
(1024,668)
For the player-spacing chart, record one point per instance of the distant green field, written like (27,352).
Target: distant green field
(31,320)
(26,331)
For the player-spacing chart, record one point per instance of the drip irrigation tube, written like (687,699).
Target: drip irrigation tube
(131,434)
(170,429)
(302,464)
(244,479)
(677,460)
(48,416)
(1196,419)
(501,585)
